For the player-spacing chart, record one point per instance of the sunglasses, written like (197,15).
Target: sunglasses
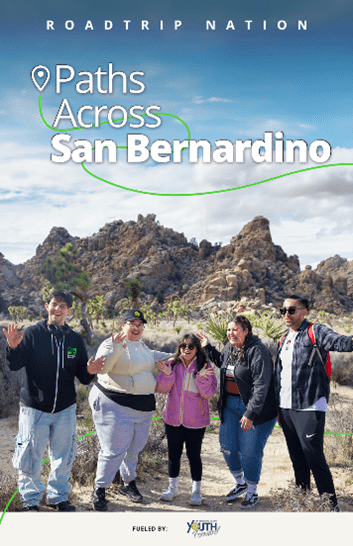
(289,310)
(191,346)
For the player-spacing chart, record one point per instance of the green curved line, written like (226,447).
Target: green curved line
(158,417)
(215,191)
(189,137)
(8,504)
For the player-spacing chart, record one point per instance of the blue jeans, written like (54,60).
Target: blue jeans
(36,428)
(122,434)
(243,450)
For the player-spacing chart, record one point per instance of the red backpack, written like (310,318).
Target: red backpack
(311,334)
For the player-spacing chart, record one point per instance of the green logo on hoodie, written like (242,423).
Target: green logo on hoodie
(71,352)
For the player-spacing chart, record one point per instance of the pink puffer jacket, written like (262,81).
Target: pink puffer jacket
(188,395)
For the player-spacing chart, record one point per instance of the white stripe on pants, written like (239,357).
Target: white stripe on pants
(122,434)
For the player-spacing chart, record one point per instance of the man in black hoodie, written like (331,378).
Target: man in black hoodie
(52,355)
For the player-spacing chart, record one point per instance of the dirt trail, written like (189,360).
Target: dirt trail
(276,474)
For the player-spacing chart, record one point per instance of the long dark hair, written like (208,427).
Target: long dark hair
(244,323)
(200,353)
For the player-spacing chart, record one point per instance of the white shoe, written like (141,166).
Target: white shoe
(169,494)
(196,498)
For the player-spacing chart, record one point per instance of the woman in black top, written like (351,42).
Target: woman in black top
(247,406)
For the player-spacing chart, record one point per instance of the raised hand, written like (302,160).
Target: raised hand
(205,371)
(95,366)
(13,337)
(119,338)
(203,339)
(164,367)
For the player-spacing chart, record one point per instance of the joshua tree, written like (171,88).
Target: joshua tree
(66,273)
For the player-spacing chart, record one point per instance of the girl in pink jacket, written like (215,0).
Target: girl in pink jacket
(189,382)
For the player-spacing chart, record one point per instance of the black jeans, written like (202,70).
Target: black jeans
(304,433)
(176,436)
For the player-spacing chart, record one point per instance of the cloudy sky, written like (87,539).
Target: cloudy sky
(224,84)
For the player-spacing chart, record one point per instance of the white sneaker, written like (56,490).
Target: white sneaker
(169,494)
(196,498)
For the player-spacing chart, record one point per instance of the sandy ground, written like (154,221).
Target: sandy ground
(8,431)
(276,474)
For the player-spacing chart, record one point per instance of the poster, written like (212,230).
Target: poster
(252,74)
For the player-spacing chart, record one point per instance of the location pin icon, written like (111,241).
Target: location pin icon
(38,73)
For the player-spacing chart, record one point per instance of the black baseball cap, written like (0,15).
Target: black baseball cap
(133,314)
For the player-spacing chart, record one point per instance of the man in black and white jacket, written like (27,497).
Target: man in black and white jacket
(52,355)
(302,387)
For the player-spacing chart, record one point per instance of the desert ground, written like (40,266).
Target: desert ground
(277,473)
(276,476)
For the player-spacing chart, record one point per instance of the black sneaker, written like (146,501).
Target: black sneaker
(98,499)
(250,500)
(34,508)
(64,506)
(131,491)
(236,492)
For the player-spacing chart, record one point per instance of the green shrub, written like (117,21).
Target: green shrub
(217,326)
(269,326)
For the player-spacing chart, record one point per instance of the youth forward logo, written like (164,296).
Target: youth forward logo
(203,528)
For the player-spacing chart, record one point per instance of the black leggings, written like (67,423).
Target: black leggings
(192,437)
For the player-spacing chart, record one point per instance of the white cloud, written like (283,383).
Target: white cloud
(310,213)
(201,100)
(257,126)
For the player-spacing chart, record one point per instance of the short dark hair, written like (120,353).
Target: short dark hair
(60,295)
(301,299)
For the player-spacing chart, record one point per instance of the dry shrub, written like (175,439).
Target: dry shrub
(9,398)
(294,499)
(342,368)
(8,486)
(153,454)
(83,411)
(339,448)
(10,382)
(84,466)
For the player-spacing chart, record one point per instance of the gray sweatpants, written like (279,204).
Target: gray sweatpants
(122,434)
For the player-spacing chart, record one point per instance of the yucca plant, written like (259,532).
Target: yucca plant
(217,326)
(268,326)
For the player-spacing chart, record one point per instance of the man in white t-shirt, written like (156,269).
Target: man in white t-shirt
(302,386)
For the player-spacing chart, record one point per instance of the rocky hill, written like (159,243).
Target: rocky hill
(251,269)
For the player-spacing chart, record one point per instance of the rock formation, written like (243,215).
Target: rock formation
(251,268)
